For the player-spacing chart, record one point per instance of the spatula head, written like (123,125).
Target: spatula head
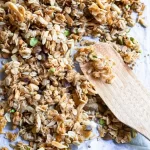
(126,97)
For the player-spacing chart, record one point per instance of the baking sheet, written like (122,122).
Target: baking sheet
(142,70)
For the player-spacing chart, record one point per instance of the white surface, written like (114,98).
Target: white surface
(142,71)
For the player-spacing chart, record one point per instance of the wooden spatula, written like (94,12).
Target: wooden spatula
(126,97)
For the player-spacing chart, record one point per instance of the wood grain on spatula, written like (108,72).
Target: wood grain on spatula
(126,97)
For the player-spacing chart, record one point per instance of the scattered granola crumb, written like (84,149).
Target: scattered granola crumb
(4,148)
(11,136)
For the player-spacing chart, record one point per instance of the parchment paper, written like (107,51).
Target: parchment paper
(142,70)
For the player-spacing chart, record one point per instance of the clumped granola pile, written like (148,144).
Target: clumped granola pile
(100,67)
(42,94)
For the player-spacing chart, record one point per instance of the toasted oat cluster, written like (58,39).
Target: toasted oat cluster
(42,94)
(100,67)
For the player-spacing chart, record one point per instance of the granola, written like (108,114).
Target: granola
(42,93)
(11,136)
(99,66)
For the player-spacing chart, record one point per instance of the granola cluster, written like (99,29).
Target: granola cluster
(42,93)
(99,66)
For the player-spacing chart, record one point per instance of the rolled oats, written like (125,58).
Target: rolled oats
(47,99)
